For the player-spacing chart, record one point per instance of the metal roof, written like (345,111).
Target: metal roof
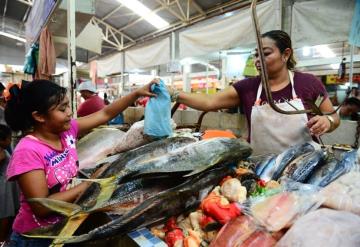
(121,27)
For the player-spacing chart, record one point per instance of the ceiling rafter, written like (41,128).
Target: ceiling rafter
(110,34)
(27,2)
(5,7)
(112,12)
(167,7)
(181,10)
(197,7)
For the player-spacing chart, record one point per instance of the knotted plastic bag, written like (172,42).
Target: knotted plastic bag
(158,113)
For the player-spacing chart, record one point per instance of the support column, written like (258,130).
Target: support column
(186,78)
(71,47)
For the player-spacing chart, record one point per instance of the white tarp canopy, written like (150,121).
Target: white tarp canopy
(236,30)
(110,65)
(321,22)
(90,38)
(147,56)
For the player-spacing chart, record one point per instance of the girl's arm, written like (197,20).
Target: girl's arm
(110,111)
(33,184)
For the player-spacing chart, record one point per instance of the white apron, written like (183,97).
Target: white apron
(273,132)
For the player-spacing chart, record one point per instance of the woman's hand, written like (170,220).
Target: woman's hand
(146,90)
(319,125)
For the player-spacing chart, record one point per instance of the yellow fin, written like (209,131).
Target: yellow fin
(61,207)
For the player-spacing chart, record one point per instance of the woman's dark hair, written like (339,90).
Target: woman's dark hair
(282,41)
(5,132)
(38,95)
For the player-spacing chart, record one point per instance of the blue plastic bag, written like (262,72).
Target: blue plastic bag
(158,113)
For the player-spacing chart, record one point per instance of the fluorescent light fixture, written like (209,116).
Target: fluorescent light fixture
(335,66)
(306,51)
(143,11)
(11,36)
(325,51)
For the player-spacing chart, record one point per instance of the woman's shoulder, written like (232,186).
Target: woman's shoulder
(302,76)
(247,83)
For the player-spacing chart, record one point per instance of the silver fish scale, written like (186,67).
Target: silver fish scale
(311,161)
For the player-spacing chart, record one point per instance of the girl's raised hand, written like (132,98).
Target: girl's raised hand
(146,90)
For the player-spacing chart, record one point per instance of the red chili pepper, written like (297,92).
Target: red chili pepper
(170,224)
(261,183)
(173,236)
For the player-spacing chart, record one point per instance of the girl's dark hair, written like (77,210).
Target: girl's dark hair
(38,95)
(282,41)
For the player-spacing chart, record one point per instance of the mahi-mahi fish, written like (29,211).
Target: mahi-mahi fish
(102,190)
(96,146)
(193,158)
(175,201)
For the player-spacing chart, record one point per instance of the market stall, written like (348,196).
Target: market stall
(156,183)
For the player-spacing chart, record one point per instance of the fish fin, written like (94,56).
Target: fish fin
(61,207)
(76,239)
(196,171)
(69,229)
(101,181)
(108,185)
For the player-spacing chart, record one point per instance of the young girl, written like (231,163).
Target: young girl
(45,160)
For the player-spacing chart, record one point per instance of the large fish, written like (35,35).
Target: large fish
(117,162)
(320,173)
(126,197)
(101,192)
(193,158)
(347,163)
(288,155)
(96,146)
(175,201)
(307,165)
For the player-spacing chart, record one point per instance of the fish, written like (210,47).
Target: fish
(322,172)
(288,155)
(125,198)
(132,193)
(307,165)
(267,172)
(192,158)
(261,161)
(104,185)
(117,162)
(156,209)
(293,165)
(347,163)
(130,159)
(96,146)
(195,157)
